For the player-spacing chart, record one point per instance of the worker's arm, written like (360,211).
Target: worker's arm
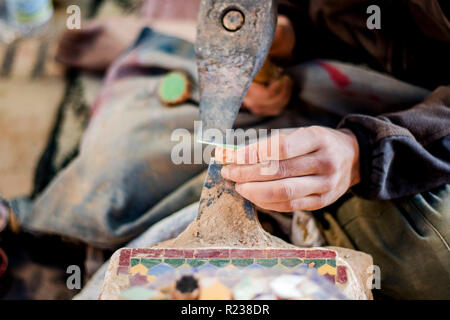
(304,169)
(384,157)
(406,152)
(398,154)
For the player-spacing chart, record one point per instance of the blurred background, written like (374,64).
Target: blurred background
(44,109)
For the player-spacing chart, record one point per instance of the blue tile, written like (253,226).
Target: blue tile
(159,270)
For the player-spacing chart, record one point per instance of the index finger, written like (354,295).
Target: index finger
(281,146)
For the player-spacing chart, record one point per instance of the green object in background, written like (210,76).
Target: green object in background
(27,16)
(174,88)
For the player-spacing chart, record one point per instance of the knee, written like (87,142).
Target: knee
(408,239)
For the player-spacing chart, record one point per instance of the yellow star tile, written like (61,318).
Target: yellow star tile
(326,268)
(216,291)
(139,268)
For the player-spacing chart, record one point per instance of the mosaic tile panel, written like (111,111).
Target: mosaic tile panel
(143,265)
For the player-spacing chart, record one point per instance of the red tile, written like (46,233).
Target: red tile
(188,253)
(139,251)
(342,274)
(247,253)
(174,253)
(212,253)
(124,258)
(122,270)
(300,253)
(138,280)
(154,253)
(271,253)
(292,253)
(320,253)
(329,277)
(285,253)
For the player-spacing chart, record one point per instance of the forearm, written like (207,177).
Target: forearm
(404,153)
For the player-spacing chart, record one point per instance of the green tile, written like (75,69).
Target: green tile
(175,262)
(290,262)
(332,262)
(196,262)
(148,262)
(134,261)
(219,262)
(242,262)
(267,262)
(317,262)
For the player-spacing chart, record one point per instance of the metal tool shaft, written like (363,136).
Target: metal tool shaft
(233,40)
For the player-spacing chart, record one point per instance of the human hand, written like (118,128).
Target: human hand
(272,99)
(269,100)
(314,166)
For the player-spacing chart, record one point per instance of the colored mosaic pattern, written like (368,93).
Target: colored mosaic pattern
(146,264)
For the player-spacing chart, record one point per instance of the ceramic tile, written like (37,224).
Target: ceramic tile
(212,253)
(267,262)
(317,263)
(320,253)
(134,261)
(153,262)
(196,262)
(150,262)
(174,262)
(159,269)
(290,262)
(341,274)
(219,262)
(242,262)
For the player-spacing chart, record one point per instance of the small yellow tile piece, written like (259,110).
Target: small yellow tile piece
(216,291)
(150,278)
(326,268)
(139,268)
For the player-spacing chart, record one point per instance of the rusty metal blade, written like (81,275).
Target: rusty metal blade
(229,60)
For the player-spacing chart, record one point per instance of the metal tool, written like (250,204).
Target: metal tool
(233,40)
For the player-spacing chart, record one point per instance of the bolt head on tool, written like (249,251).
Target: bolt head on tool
(233,20)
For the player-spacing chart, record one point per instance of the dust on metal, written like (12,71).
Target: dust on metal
(228,61)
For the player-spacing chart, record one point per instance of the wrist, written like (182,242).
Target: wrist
(355,172)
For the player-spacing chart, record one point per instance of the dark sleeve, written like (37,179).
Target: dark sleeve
(298,14)
(406,152)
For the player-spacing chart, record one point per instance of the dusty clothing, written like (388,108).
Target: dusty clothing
(404,150)
(408,238)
